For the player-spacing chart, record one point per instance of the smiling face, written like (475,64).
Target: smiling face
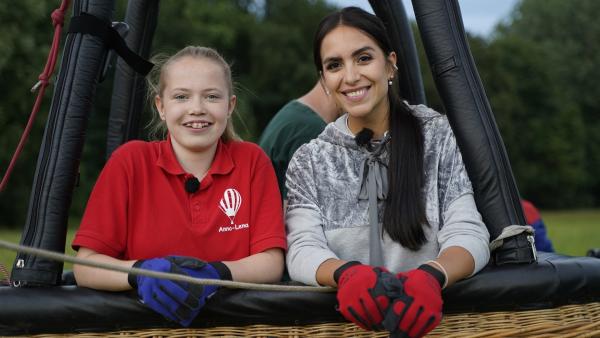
(356,72)
(195,103)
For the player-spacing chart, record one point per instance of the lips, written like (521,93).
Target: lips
(356,94)
(197,125)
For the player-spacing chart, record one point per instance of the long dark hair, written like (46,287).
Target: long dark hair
(404,215)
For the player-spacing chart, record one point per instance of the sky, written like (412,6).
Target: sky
(479,16)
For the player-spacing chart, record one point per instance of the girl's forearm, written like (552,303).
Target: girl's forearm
(263,267)
(101,279)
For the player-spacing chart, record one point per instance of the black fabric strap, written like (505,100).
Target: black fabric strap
(131,278)
(518,249)
(222,269)
(88,24)
(437,274)
(338,272)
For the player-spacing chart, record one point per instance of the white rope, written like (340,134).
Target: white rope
(165,275)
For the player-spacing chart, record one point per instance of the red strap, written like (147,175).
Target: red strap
(58,16)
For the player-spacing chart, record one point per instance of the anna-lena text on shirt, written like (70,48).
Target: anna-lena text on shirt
(234,227)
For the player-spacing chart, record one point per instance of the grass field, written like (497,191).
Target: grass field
(572,233)
(14,236)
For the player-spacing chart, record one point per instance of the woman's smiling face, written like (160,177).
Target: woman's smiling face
(356,72)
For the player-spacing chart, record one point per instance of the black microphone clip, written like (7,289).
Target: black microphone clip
(363,138)
(192,185)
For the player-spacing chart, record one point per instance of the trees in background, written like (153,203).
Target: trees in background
(539,70)
(25,37)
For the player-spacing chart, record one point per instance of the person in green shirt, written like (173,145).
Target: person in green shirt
(296,123)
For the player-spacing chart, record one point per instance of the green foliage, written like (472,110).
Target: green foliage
(24,43)
(542,73)
(267,43)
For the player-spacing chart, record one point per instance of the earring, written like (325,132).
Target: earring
(395,67)
(390,81)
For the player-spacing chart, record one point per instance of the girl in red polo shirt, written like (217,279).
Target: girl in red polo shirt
(201,195)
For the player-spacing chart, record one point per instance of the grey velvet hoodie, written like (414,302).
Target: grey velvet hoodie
(325,217)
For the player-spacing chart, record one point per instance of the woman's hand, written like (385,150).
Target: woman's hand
(361,295)
(419,309)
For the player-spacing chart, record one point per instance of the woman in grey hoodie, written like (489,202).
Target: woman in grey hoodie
(380,204)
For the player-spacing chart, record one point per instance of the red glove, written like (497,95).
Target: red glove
(361,296)
(420,310)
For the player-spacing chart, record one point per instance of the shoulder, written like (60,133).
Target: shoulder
(313,147)
(428,116)
(289,114)
(435,125)
(243,146)
(133,146)
(246,152)
(293,118)
(136,151)
(326,148)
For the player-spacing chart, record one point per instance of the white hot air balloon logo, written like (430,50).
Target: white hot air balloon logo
(230,203)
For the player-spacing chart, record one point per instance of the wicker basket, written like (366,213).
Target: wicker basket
(566,321)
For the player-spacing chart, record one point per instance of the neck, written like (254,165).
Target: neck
(321,103)
(377,120)
(196,163)
(378,126)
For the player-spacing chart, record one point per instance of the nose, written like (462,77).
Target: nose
(352,74)
(197,106)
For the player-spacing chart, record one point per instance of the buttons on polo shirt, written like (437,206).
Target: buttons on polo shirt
(198,208)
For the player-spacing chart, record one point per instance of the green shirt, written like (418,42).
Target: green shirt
(292,126)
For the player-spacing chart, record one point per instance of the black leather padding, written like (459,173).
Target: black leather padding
(469,113)
(129,87)
(554,280)
(58,161)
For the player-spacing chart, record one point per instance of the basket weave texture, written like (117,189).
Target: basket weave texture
(565,322)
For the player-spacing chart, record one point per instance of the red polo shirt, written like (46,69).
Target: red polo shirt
(139,207)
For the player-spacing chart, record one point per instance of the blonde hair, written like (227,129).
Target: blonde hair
(156,85)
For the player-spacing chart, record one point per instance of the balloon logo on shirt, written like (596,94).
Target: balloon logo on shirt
(230,203)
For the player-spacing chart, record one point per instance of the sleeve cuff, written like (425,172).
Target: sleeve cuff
(338,272)
(131,278)
(305,271)
(437,274)
(222,270)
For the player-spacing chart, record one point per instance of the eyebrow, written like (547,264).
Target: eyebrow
(180,89)
(355,53)
(183,89)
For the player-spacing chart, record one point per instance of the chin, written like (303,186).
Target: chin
(358,112)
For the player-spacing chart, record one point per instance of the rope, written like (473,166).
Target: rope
(155,274)
(58,17)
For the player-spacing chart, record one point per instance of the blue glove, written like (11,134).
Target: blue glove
(178,301)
